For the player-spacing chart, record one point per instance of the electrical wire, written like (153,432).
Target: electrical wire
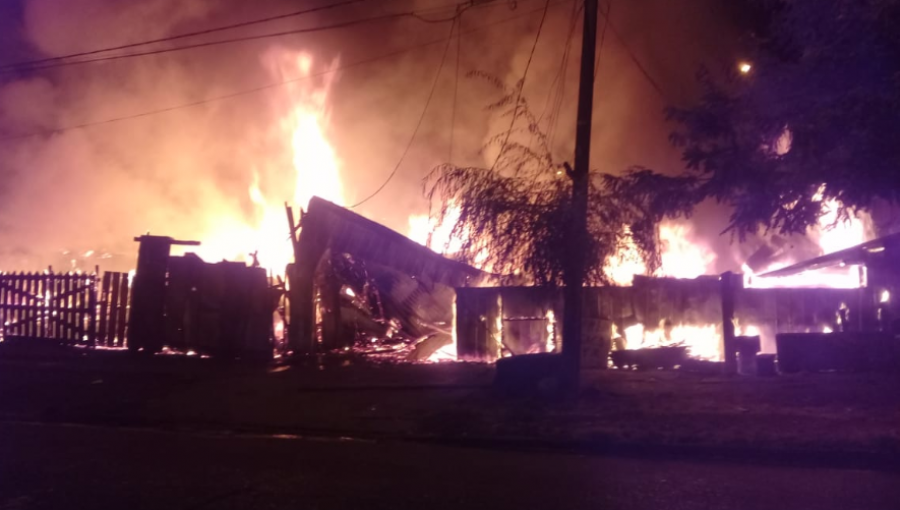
(270,35)
(602,40)
(521,86)
(185,35)
(412,138)
(54,62)
(557,89)
(635,59)
(455,93)
(268,86)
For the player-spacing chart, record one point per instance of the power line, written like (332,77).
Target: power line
(521,85)
(557,94)
(602,40)
(306,30)
(412,138)
(455,93)
(55,61)
(269,85)
(185,35)
(634,58)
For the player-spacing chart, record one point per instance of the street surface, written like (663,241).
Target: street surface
(61,466)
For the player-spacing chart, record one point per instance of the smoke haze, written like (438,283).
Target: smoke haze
(186,172)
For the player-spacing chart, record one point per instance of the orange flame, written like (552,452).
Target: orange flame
(301,133)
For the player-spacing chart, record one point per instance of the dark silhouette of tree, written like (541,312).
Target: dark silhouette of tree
(512,217)
(816,118)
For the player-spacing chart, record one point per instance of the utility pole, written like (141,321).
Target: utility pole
(574,271)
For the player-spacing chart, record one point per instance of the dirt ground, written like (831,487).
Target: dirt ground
(815,412)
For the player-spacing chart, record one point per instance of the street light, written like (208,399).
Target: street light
(745,67)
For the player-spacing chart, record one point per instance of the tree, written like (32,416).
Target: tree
(511,217)
(813,121)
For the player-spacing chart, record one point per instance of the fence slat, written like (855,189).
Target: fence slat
(42,293)
(113,310)
(54,305)
(67,307)
(30,312)
(92,314)
(3,313)
(122,309)
(78,304)
(71,307)
(104,309)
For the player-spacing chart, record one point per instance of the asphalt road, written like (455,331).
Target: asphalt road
(57,466)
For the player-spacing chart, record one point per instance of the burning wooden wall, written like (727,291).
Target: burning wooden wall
(327,227)
(654,312)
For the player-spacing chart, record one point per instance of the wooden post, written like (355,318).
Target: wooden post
(121,310)
(3,304)
(478,311)
(92,310)
(574,271)
(311,245)
(728,290)
(111,325)
(147,328)
(105,282)
(332,322)
(65,307)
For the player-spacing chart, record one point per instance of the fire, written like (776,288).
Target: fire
(550,345)
(703,341)
(626,262)
(449,351)
(682,256)
(437,235)
(831,234)
(301,134)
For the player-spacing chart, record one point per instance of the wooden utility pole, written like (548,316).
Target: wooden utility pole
(574,271)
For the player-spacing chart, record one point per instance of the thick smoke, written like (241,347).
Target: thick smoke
(187,171)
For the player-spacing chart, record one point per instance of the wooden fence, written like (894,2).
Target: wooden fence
(65,307)
(112,310)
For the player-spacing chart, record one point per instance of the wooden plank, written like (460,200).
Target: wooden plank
(59,303)
(67,307)
(26,301)
(104,309)
(121,310)
(9,284)
(3,297)
(79,303)
(92,306)
(55,329)
(17,298)
(113,310)
(23,301)
(56,307)
(37,299)
(30,313)
(44,292)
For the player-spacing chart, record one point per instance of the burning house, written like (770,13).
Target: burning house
(372,288)
(357,286)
